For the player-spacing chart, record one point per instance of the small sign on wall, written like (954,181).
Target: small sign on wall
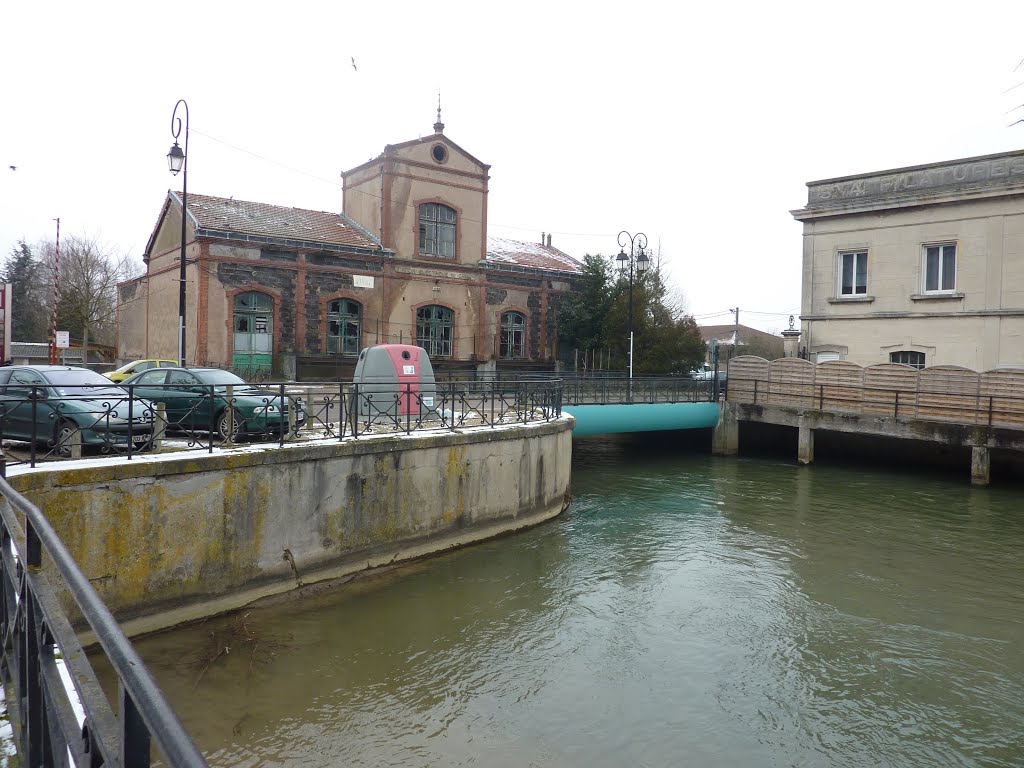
(63,339)
(362,281)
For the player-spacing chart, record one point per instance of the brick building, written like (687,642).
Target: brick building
(300,292)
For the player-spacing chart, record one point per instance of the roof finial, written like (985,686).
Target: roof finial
(439,126)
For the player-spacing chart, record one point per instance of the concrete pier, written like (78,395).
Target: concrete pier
(981,465)
(983,440)
(805,445)
(725,440)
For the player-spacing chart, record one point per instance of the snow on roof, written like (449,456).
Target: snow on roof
(501,250)
(277,221)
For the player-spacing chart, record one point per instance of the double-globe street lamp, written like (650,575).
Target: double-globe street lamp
(637,257)
(177,160)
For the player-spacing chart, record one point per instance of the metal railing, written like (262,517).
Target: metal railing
(354,410)
(59,426)
(607,390)
(36,631)
(47,427)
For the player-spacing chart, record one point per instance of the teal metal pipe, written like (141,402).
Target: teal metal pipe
(641,417)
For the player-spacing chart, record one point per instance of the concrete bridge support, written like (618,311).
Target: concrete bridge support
(725,440)
(805,445)
(981,465)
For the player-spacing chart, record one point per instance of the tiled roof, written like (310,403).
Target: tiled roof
(517,253)
(276,221)
(725,334)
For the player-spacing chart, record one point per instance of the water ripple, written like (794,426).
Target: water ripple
(686,610)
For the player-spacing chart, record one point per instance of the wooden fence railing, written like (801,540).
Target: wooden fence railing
(943,393)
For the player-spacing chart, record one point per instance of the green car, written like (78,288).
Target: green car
(47,403)
(196,400)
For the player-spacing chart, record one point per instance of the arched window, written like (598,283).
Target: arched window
(434,330)
(513,334)
(254,332)
(344,327)
(437,230)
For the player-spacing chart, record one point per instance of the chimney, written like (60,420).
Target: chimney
(542,238)
(549,239)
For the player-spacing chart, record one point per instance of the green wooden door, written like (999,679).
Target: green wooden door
(253,334)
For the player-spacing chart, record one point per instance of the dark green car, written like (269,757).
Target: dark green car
(196,400)
(46,404)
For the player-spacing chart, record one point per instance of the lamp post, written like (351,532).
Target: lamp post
(178,161)
(636,256)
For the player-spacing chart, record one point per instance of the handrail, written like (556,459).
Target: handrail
(34,625)
(270,412)
(608,390)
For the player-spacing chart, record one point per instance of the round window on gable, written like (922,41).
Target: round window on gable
(440,153)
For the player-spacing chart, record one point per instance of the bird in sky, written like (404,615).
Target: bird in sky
(13,167)
(354,63)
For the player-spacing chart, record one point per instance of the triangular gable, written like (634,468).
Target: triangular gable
(399,150)
(176,198)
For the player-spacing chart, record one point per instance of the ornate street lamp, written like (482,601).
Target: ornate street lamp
(177,160)
(638,257)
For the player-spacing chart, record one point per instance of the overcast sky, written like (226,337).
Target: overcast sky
(697,124)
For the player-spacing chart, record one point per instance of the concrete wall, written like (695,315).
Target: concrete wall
(171,540)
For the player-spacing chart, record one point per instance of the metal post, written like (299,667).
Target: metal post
(56,286)
(637,240)
(175,132)
(135,738)
(159,425)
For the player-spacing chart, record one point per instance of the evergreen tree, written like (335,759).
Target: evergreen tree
(665,339)
(30,300)
(581,320)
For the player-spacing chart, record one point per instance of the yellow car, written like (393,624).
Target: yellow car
(135,366)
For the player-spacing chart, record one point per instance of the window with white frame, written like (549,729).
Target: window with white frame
(437,230)
(940,267)
(853,273)
(907,357)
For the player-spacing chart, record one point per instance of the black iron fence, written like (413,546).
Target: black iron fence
(38,637)
(41,423)
(352,410)
(605,390)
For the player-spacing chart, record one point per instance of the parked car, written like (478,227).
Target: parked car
(196,398)
(47,403)
(138,366)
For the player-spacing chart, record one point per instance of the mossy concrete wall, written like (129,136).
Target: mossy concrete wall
(175,539)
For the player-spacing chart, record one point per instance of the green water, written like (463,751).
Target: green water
(686,611)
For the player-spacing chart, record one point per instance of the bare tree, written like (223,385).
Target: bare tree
(88,272)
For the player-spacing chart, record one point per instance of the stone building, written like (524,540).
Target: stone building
(734,340)
(300,292)
(921,265)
